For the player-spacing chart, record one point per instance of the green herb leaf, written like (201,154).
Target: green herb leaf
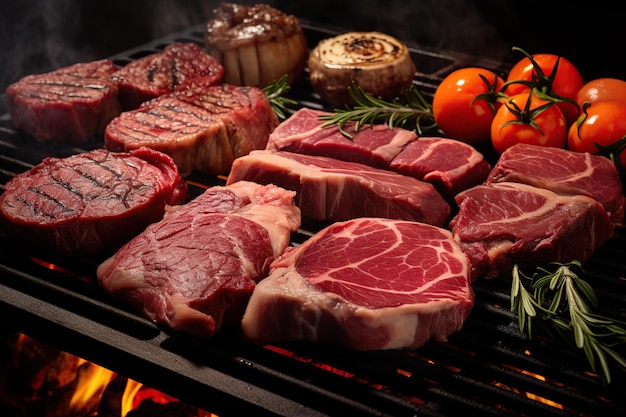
(562,302)
(275,93)
(411,110)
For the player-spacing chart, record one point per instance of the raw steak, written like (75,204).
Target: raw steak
(195,269)
(366,284)
(564,172)
(176,67)
(303,133)
(331,189)
(202,128)
(450,165)
(90,202)
(70,104)
(502,224)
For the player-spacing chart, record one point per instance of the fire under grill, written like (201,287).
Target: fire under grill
(488,367)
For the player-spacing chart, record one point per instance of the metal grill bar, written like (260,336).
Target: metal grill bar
(487,367)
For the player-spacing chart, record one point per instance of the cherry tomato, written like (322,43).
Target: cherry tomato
(604,124)
(602,89)
(520,121)
(566,83)
(464,104)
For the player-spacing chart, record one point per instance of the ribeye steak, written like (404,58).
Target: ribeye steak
(70,104)
(194,270)
(331,189)
(366,284)
(90,202)
(564,172)
(202,128)
(502,224)
(305,133)
(450,165)
(176,67)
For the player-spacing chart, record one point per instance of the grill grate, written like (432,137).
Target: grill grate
(487,367)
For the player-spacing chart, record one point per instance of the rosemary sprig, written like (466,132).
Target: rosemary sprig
(410,107)
(275,93)
(561,300)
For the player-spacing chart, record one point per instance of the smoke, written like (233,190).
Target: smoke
(42,35)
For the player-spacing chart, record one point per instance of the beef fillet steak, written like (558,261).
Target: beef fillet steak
(365,284)
(90,202)
(201,128)
(176,67)
(502,224)
(70,104)
(564,172)
(194,270)
(331,189)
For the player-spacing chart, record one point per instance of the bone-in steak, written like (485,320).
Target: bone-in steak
(366,283)
(331,189)
(90,202)
(502,224)
(202,128)
(176,67)
(564,172)
(70,104)
(195,270)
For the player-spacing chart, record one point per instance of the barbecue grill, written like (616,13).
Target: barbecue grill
(488,367)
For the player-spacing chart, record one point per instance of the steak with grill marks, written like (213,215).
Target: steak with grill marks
(502,224)
(194,270)
(176,67)
(90,202)
(564,172)
(70,104)
(366,284)
(331,189)
(201,128)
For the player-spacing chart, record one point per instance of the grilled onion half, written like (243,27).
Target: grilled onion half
(256,44)
(379,63)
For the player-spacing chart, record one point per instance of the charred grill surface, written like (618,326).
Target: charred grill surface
(487,367)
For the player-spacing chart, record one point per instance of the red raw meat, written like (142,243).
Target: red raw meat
(366,284)
(90,202)
(331,189)
(502,224)
(194,270)
(202,128)
(303,133)
(70,104)
(564,172)
(450,165)
(176,67)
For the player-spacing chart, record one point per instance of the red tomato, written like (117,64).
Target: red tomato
(602,89)
(566,83)
(518,121)
(604,124)
(464,104)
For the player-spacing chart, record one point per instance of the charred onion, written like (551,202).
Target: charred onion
(378,63)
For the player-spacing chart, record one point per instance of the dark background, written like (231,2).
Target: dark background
(41,35)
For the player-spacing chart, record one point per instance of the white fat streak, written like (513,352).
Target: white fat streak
(393,225)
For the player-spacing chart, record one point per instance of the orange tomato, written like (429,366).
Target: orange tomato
(566,83)
(465,103)
(603,125)
(602,89)
(535,121)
